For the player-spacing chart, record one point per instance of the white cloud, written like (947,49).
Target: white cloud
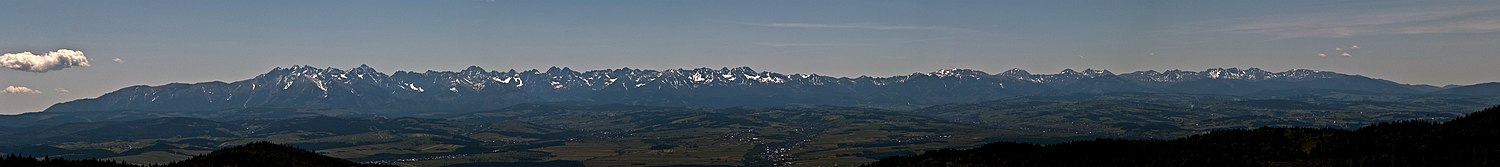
(52,61)
(20,90)
(1466,26)
(1337,23)
(118,60)
(61,90)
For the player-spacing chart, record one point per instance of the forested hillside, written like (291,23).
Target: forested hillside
(1473,140)
(253,154)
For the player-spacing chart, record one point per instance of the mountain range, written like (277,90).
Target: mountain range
(703,116)
(406,93)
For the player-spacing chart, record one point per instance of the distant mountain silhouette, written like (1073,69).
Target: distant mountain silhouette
(252,154)
(16,160)
(1491,89)
(405,93)
(263,154)
(1467,141)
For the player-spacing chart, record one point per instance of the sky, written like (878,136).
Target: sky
(130,43)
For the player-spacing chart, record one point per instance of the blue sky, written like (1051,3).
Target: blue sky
(1429,42)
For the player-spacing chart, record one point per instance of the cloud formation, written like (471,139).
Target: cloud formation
(1466,26)
(20,90)
(1349,23)
(52,61)
(118,60)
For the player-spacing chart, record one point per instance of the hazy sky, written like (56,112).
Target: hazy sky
(160,42)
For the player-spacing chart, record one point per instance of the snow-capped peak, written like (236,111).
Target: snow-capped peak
(1068,72)
(480,80)
(1096,73)
(958,72)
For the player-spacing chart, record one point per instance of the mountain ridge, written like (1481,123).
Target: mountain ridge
(473,89)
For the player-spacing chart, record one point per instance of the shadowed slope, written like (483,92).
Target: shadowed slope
(1466,141)
(253,154)
(264,154)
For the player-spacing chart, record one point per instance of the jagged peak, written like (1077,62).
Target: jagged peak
(474,69)
(300,70)
(1016,72)
(552,70)
(743,69)
(363,69)
(1220,69)
(1094,72)
(732,74)
(1303,70)
(958,72)
(1068,71)
(702,70)
(1234,69)
(297,67)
